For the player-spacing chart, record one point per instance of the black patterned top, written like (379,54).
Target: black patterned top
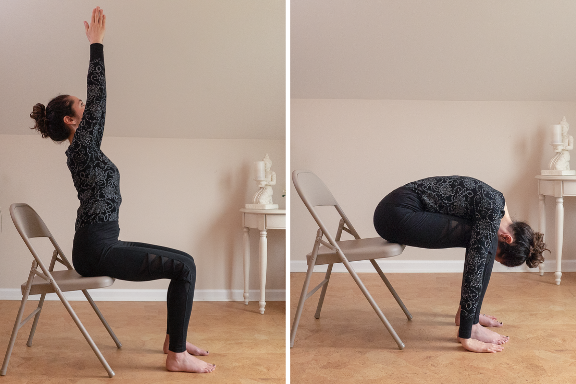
(95,177)
(472,200)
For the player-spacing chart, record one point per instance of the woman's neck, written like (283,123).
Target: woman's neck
(72,132)
(505,223)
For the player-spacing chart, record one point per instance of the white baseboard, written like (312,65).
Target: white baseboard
(150,295)
(425,266)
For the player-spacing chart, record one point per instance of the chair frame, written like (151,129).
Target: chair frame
(46,274)
(332,244)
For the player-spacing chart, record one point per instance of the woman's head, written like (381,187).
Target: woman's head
(59,118)
(528,247)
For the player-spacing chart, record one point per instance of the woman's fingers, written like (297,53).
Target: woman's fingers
(474,345)
(95,30)
(101,18)
(495,348)
(97,15)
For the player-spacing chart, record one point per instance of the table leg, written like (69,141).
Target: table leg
(542,223)
(246,265)
(263,263)
(559,237)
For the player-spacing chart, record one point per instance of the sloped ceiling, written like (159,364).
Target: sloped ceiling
(509,50)
(177,69)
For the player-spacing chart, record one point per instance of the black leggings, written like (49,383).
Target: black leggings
(98,252)
(401,218)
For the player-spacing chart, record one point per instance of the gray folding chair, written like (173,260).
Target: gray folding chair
(30,225)
(313,193)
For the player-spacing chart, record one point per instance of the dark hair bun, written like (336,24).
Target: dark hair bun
(39,115)
(50,119)
(537,248)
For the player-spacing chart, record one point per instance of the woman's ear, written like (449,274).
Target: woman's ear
(505,237)
(69,120)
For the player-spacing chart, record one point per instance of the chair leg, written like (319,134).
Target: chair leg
(84,332)
(14,334)
(18,322)
(371,301)
(323,293)
(102,319)
(36,318)
(301,303)
(391,289)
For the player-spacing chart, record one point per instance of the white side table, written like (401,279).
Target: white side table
(261,219)
(557,186)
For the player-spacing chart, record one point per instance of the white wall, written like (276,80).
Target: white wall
(180,193)
(363,149)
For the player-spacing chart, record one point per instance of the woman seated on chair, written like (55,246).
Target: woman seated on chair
(457,211)
(96,249)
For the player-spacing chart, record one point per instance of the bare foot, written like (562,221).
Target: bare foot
(185,362)
(190,348)
(489,321)
(485,320)
(473,345)
(487,336)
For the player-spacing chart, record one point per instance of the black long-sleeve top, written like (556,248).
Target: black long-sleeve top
(96,178)
(483,206)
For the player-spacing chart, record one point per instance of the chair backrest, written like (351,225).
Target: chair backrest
(29,225)
(311,189)
(314,193)
(27,221)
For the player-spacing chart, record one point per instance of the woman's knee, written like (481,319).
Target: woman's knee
(190,262)
(389,220)
(189,267)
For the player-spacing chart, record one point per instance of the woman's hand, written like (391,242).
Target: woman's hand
(95,31)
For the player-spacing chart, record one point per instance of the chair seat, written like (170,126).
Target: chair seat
(68,280)
(360,249)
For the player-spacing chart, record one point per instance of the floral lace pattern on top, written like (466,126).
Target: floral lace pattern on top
(473,200)
(96,178)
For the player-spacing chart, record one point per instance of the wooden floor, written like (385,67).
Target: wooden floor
(245,346)
(349,344)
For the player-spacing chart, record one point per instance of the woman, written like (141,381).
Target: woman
(457,211)
(96,249)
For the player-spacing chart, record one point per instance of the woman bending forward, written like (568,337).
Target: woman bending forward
(458,211)
(96,249)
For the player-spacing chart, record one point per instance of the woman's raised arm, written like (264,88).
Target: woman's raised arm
(91,127)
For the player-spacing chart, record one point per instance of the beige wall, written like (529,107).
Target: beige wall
(180,193)
(363,149)
(433,50)
(196,93)
(215,65)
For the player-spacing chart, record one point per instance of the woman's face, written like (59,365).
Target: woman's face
(78,108)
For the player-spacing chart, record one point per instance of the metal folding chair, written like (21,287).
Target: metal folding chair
(313,193)
(30,225)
